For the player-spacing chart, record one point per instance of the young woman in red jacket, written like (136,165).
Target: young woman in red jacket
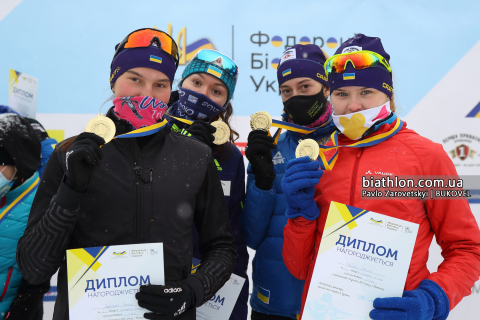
(361,87)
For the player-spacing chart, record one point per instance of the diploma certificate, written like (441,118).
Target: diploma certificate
(363,255)
(102,281)
(221,305)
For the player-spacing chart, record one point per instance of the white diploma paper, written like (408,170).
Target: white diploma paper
(102,281)
(222,303)
(22,93)
(363,255)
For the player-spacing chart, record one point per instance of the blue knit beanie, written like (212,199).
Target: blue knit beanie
(375,77)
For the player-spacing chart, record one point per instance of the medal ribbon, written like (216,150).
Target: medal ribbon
(19,199)
(142,132)
(179,119)
(292,127)
(328,164)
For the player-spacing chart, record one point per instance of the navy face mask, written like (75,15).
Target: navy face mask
(193,105)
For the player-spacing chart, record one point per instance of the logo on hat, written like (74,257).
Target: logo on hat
(155,59)
(114,73)
(289,55)
(287,72)
(215,71)
(386,86)
(321,76)
(218,62)
(349,76)
(351,49)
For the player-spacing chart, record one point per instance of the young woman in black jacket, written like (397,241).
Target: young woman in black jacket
(134,190)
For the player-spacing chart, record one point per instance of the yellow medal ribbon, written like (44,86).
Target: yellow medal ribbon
(142,132)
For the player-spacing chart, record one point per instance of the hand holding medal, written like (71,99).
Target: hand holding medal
(261,121)
(222,134)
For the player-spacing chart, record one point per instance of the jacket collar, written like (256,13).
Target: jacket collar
(11,195)
(380,128)
(323,131)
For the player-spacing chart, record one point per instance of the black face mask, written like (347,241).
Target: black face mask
(304,110)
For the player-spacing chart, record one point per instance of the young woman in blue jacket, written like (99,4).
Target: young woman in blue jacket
(19,162)
(304,90)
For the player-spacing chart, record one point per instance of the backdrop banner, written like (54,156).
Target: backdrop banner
(434,45)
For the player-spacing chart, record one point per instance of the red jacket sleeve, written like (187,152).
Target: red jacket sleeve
(299,246)
(456,232)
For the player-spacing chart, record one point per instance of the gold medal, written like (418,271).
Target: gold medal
(223,132)
(102,126)
(260,121)
(307,147)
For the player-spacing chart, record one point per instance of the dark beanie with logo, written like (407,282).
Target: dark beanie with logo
(302,60)
(374,77)
(148,57)
(19,145)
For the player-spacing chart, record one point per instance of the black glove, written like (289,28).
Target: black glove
(81,158)
(202,131)
(167,302)
(28,304)
(259,154)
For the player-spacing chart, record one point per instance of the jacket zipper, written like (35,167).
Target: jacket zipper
(138,207)
(7,282)
(354,178)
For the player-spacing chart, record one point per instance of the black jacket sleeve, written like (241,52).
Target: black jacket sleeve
(41,250)
(216,243)
(235,209)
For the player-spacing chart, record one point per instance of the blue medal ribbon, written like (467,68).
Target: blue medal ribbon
(142,132)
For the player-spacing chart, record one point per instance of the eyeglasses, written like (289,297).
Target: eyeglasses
(359,59)
(145,37)
(219,59)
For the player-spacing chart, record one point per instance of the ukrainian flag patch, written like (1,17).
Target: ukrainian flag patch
(263,295)
(349,76)
(287,72)
(215,71)
(155,59)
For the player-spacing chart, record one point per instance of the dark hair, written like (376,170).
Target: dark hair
(225,116)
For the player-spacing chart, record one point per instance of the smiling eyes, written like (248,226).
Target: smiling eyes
(198,83)
(138,80)
(344,94)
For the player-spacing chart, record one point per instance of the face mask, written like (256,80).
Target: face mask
(193,105)
(305,110)
(139,112)
(354,125)
(5,184)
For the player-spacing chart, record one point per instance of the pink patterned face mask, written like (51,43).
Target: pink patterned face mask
(139,111)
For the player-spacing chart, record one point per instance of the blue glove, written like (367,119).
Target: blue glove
(427,302)
(298,184)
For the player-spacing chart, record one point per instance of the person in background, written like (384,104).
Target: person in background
(367,93)
(48,144)
(148,189)
(204,96)
(304,91)
(28,303)
(19,179)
